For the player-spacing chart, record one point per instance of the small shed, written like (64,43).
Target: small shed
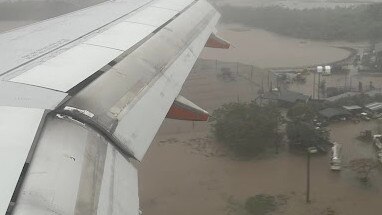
(334,113)
(286,97)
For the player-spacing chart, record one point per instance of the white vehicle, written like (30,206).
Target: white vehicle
(335,162)
(377,141)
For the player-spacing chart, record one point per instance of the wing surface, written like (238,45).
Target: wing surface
(87,92)
(18,127)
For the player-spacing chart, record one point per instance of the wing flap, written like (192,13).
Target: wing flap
(18,128)
(132,99)
(152,16)
(177,5)
(76,171)
(71,67)
(122,36)
(21,95)
(68,69)
(25,45)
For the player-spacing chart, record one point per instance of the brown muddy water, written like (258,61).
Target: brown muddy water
(186,172)
(265,49)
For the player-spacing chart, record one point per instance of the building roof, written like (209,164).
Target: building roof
(375,106)
(343,95)
(334,112)
(352,107)
(286,96)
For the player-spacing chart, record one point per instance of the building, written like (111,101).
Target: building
(375,107)
(285,97)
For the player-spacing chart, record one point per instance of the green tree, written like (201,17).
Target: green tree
(246,128)
(301,111)
(303,135)
(352,23)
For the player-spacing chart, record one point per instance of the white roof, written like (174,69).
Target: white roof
(374,106)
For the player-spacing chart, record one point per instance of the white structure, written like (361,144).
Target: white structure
(335,163)
(320,69)
(328,70)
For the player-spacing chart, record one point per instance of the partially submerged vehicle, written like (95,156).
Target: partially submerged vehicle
(335,162)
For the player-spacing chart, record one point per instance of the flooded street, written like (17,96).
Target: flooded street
(264,49)
(295,4)
(187,172)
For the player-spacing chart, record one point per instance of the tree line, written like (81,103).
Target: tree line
(352,24)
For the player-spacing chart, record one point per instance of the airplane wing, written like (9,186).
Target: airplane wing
(82,96)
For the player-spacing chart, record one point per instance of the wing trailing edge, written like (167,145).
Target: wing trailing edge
(214,41)
(184,109)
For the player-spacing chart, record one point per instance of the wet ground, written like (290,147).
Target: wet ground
(340,80)
(295,4)
(187,172)
(268,50)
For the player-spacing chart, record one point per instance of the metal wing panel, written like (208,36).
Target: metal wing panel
(138,127)
(177,5)
(152,16)
(18,128)
(26,44)
(141,87)
(21,95)
(75,170)
(119,191)
(68,69)
(122,36)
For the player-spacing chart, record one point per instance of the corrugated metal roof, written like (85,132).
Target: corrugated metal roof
(374,106)
(286,96)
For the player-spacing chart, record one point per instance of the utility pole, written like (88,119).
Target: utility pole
(314,85)
(251,72)
(319,86)
(351,80)
(308,177)
(346,80)
(216,66)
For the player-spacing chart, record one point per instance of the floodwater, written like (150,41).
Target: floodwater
(295,4)
(265,49)
(186,172)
